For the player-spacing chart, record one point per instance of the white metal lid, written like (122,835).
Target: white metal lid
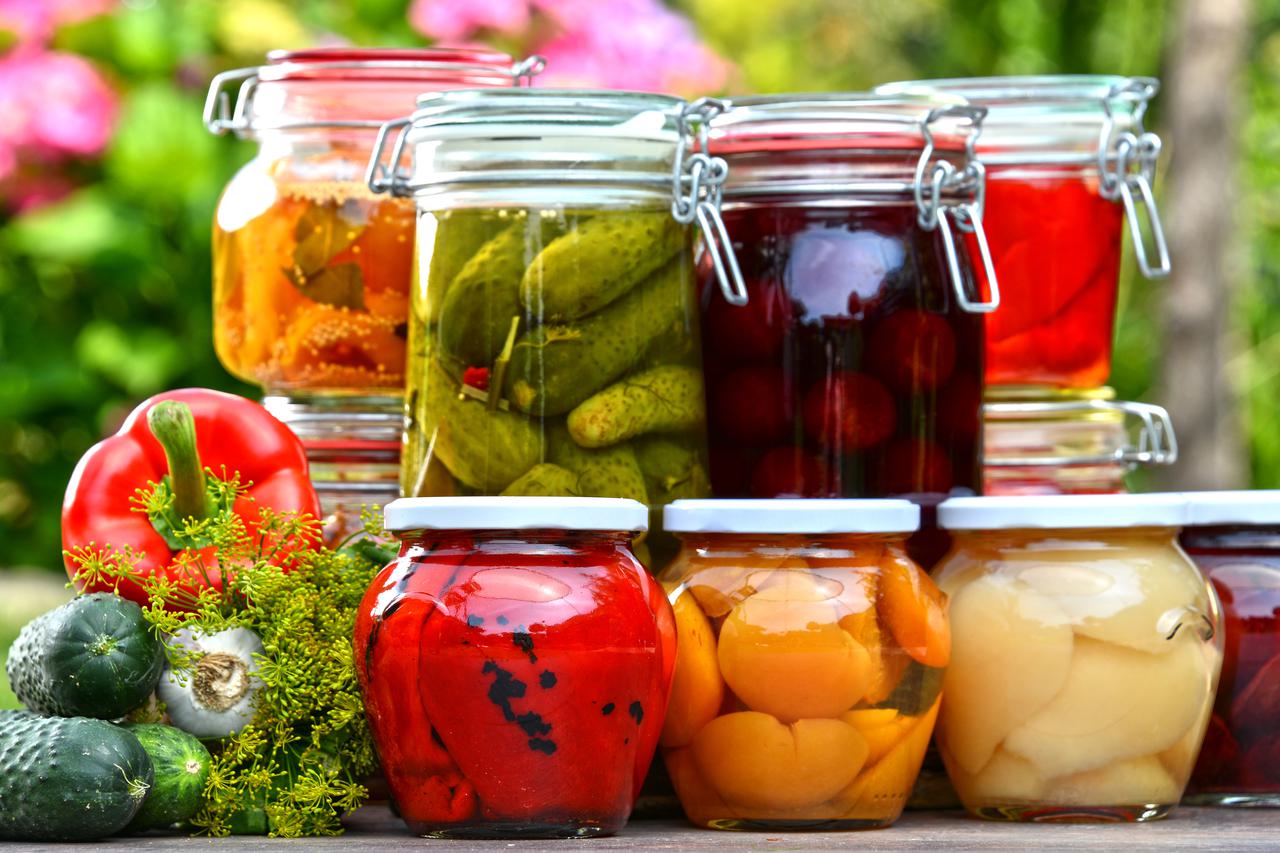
(516,513)
(1240,507)
(1063,512)
(812,515)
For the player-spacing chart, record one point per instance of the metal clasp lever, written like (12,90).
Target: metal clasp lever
(697,189)
(387,179)
(220,116)
(1144,149)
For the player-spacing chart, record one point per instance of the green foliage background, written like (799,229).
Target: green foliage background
(105,297)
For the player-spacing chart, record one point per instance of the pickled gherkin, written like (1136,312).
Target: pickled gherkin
(562,357)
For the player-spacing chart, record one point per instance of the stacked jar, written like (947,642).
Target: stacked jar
(553,337)
(855,367)
(1068,162)
(312,271)
(1086,651)
(811,652)
(1234,537)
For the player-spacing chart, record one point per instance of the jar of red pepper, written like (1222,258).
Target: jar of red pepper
(1069,441)
(1234,537)
(855,368)
(312,270)
(516,660)
(1068,161)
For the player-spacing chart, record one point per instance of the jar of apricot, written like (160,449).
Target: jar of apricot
(810,657)
(1085,657)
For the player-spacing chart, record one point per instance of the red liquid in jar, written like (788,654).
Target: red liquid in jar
(1241,750)
(515,688)
(1055,243)
(852,372)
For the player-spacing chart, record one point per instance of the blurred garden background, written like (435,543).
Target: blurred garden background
(108,179)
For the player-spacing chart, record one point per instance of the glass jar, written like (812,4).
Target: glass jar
(855,368)
(1070,441)
(811,651)
(1234,537)
(1086,650)
(311,270)
(553,333)
(1067,162)
(515,661)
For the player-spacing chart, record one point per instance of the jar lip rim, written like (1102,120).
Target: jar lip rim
(605,515)
(792,515)
(1064,512)
(1233,507)
(1022,90)
(433,103)
(381,65)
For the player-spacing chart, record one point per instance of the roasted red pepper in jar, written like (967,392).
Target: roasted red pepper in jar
(175,440)
(515,681)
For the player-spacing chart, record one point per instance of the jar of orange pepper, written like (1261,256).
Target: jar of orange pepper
(810,657)
(311,269)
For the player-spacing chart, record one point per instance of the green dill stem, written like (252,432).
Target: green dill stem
(174,427)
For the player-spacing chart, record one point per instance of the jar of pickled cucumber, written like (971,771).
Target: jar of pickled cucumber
(1069,441)
(1234,537)
(515,661)
(810,657)
(311,270)
(1085,654)
(553,337)
(1068,161)
(855,368)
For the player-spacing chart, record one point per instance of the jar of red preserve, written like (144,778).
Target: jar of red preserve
(1069,441)
(515,660)
(1234,537)
(311,270)
(855,368)
(1068,162)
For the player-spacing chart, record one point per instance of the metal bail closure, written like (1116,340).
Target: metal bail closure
(697,188)
(526,69)
(1127,165)
(388,178)
(220,116)
(931,212)
(1156,442)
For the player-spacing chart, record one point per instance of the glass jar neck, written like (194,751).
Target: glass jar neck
(435,540)
(788,541)
(1229,538)
(1000,538)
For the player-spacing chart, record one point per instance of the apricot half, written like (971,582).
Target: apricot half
(782,652)
(696,688)
(757,763)
(914,609)
(699,800)
(880,793)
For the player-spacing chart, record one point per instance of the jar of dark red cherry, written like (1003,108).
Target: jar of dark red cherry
(311,269)
(1069,441)
(1234,537)
(1068,161)
(855,368)
(515,660)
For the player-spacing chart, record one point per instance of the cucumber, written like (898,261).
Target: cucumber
(68,778)
(94,656)
(181,765)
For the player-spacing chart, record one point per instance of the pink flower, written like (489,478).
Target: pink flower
(455,20)
(54,104)
(628,44)
(35,20)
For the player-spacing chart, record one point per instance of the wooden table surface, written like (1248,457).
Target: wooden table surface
(374,829)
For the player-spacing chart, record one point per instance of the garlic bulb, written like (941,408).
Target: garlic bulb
(214,697)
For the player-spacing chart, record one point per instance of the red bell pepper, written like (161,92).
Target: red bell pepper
(173,439)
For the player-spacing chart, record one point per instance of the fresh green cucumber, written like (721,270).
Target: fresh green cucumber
(94,656)
(181,765)
(68,778)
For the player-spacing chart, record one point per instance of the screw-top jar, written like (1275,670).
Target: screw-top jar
(1068,442)
(1234,537)
(311,270)
(1068,162)
(811,650)
(553,336)
(855,368)
(515,661)
(1085,653)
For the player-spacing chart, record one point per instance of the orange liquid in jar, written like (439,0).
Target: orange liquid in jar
(312,293)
